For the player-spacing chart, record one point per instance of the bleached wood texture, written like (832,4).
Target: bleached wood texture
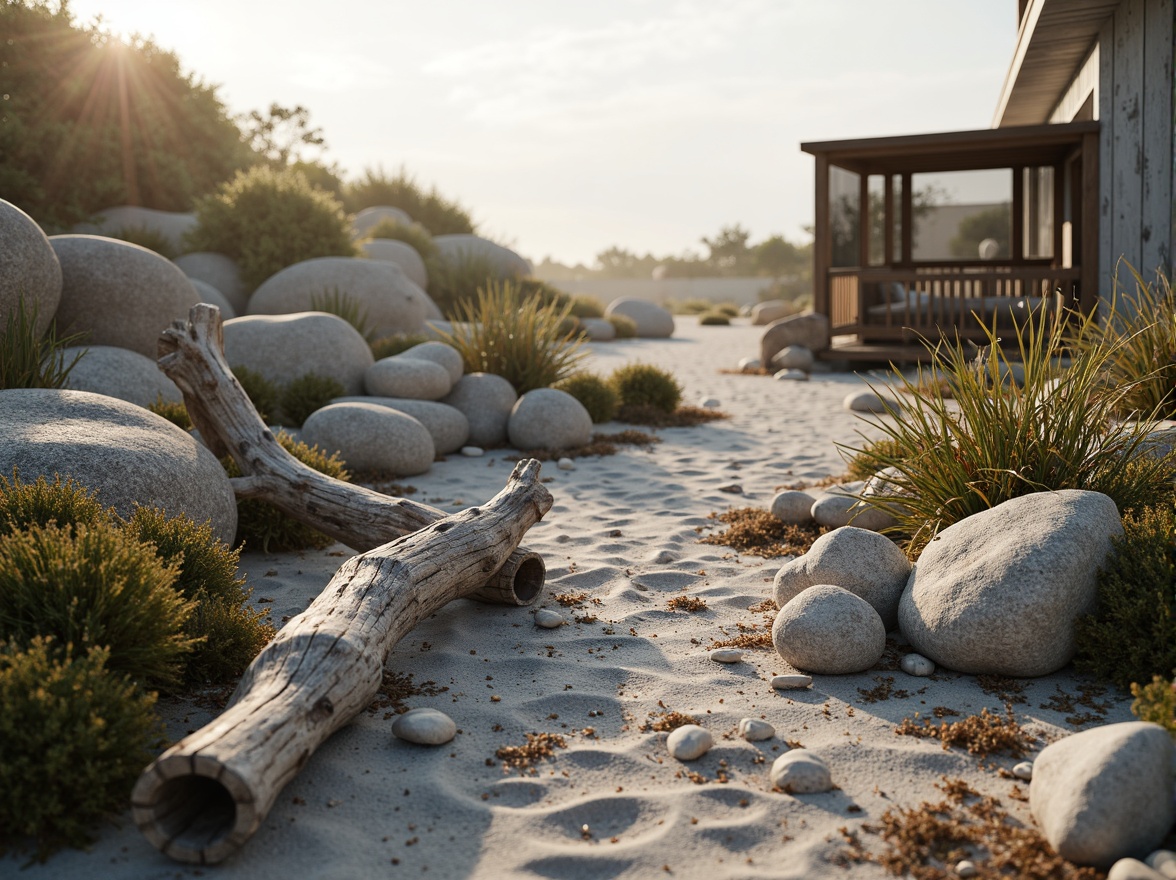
(203,798)
(191,354)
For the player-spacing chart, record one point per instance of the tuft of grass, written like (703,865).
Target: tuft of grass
(597,395)
(457,281)
(262,393)
(305,395)
(387,346)
(990,441)
(586,306)
(516,338)
(625,327)
(714,319)
(755,531)
(338,302)
(29,359)
(646,385)
(175,412)
(43,502)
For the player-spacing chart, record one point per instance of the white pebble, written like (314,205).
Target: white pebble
(426,727)
(799,771)
(791,376)
(791,682)
(472,451)
(1133,869)
(689,742)
(709,402)
(749,365)
(726,655)
(965,868)
(566,464)
(549,619)
(916,664)
(1163,861)
(1024,770)
(755,729)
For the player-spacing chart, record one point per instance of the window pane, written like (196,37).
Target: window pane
(962,215)
(844,217)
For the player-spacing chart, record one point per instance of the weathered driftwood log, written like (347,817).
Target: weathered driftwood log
(206,796)
(191,354)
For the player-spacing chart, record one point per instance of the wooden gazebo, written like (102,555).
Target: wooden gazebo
(883,296)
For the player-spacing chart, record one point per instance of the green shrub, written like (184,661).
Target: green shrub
(64,502)
(597,395)
(973,441)
(861,466)
(339,303)
(29,359)
(174,411)
(689,306)
(727,308)
(714,319)
(90,586)
(545,294)
(515,338)
(262,526)
(625,326)
(388,346)
(225,632)
(1156,702)
(263,393)
(306,394)
(267,219)
(455,282)
(1131,636)
(641,385)
(145,236)
(75,736)
(584,306)
(438,215)
(412,234)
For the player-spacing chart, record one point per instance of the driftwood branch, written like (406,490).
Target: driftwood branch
(203,798)
(191,354)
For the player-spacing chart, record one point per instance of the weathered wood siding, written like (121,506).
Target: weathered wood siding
(1135,101)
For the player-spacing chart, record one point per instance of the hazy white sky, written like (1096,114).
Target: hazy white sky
(568,127)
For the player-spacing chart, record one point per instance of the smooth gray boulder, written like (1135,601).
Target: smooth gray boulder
(456,248)
(1000,591)
(828,630)
(868,402)
(403,254)
(400,376)
(212,296)
(283,348)
(121,451)
(863,562)
(835,508)
(547,418)
(219,271)
(809,329)
(448,427)
(367,219)
(121,373)
(371,438)
(599,329)
(1106,793)
(793,357)
(793,507)
(486,401)
(118,293)
(170,225)
(441,353)
(766,312)
(29,270)
(386,301)
(653,321)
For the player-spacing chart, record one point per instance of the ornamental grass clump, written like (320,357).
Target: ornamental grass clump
(30,359)
(644,385)
(975,440)
(515,337)
(597,396)
(341,304)
(306,394)
(74,736)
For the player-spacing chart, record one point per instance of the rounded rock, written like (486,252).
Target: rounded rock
(749,365)
(755,729)
(410,378)
(170,225)
(599,329)
(791,682)
(726,655)
(456,248)
(283,348)
(833,510)
(566,464)
(369,218)
(124,453)
(1133,869)
(965,868)
(829,630)
(793,507)
(118,293)
(548,418)
(219,271)
(446,425)
(791,376)
(653,322)
(121,373)
(793,357)
(868,402)
(549,619)
(28,268)
(689,742)
(709,402)
(916,664)
(426,727)
(472,451)
(799,771)
(403,254)
(1163,861)
(764,313)
(1024,770)
(441,353)
(369,437)
(212,296)
(486,401)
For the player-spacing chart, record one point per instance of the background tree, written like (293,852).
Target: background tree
(995,223)
(281,134)
(729,253)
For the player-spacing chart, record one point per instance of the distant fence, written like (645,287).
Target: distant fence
(741,291)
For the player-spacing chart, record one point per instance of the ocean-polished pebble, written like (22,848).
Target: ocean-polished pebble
(791,376)
(791,682)
(1024,770)
(749,365)
(799,771)
(1133,869)
(726,655)
(566,464)
(709,402)
(549,619)
(472,451)
(916,664)
(755,729)
(689,742)
(965,868)
(1164,861)
(426,727)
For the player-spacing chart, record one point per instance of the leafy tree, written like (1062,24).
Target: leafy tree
(776,257)
(729,253)
(91,121)
(430,209)
(995,223)
(281,133)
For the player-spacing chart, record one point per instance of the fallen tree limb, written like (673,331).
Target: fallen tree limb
(203,798)
(191,354)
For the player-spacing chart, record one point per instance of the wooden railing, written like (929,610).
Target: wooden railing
(883,304)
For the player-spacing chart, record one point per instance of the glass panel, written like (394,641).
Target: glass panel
(844,217)
(876,185)
(1039,212)
(962,215)
(896,256)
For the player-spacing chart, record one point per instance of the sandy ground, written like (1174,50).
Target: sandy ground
(624,530)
